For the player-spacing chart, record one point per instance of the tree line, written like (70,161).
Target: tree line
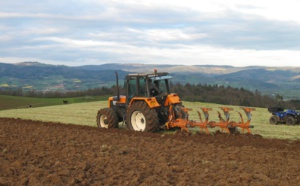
(226,95)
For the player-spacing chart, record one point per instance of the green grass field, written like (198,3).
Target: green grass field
(16,102)
(85,114)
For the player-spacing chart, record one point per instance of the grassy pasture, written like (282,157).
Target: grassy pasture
(85,114)
(17,102)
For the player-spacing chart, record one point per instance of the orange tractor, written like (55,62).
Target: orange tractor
(149,106)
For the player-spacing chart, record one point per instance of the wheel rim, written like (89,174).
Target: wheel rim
(103,118)
(138,121)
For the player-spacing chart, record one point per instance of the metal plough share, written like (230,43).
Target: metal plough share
(224,123)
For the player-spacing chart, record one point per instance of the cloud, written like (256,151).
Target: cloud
(75,32)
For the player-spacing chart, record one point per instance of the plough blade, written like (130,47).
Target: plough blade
(184,124)
(202,124)
(244,125)
(224,124)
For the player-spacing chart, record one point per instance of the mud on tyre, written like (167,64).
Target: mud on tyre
(290,120)
(273,120)
(140,117)
(107,118)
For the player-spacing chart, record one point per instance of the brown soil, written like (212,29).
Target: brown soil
(36,153)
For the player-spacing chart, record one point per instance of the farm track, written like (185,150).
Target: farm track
(44,153)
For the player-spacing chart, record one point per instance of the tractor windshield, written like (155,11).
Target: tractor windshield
(158,85)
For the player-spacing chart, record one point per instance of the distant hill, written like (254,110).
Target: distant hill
(38,76)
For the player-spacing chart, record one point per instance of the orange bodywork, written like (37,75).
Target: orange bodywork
(113,101)
(172,99)
(152,102)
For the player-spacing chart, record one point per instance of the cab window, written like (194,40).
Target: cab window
(142,87)
(131,88)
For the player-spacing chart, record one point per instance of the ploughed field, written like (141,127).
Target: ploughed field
(44,153)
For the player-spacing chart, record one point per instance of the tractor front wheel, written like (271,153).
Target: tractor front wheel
(107,118)
(273,120)
(140,117)
(290,120)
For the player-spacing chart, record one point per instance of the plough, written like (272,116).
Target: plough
(224,124)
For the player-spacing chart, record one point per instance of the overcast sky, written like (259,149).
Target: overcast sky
(189,32)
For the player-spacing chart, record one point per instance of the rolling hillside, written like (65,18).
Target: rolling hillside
(43,77)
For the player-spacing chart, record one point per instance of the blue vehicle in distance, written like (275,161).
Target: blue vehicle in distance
(281,116)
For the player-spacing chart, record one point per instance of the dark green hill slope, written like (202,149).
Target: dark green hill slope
(44,77)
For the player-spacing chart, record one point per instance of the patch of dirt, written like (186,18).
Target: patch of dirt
(37,153)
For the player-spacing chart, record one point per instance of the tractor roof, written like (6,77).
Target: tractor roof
(148,75)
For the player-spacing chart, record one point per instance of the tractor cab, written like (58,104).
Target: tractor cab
(146,85)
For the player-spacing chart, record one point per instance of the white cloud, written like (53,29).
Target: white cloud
(170,35)
(222,32)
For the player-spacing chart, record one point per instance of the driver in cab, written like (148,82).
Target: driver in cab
(154,88)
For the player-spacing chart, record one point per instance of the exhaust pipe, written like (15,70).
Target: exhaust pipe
(117,83)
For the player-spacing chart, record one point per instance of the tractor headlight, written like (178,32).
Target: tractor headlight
(152,103)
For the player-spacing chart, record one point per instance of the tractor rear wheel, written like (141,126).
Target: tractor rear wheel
(140,117)
(273,120)
(107,118)
(290,120)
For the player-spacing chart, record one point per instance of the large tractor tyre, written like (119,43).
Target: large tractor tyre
(140,117)
(273,120)
(290,120)
(107,118)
